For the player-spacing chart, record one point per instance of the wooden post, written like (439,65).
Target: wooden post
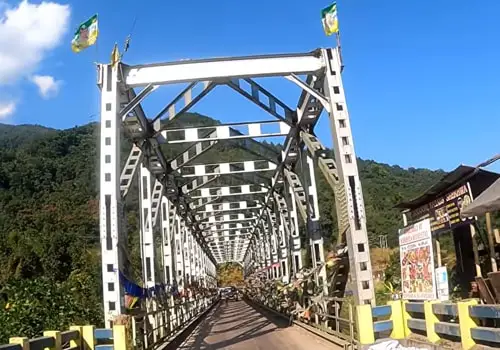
(491,243)
(438,250)
(475,249)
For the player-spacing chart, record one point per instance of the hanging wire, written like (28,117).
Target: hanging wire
(129,36)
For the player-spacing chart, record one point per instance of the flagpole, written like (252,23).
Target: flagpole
(339,48)
(97,39)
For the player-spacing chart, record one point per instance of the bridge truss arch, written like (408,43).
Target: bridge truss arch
(206,214)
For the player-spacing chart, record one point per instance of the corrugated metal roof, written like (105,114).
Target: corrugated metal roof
(460,175)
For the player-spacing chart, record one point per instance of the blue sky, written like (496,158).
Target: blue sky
(421,77)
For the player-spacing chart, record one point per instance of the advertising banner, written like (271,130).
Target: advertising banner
(417,261)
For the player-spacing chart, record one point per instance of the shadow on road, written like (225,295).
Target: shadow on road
(228,326)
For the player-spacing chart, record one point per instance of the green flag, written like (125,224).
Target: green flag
(85,35)
(329,19)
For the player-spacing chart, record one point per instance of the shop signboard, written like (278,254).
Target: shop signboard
(444,212)
(417,261)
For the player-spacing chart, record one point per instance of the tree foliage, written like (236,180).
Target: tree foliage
(49,233)
(49,261)
(229,274)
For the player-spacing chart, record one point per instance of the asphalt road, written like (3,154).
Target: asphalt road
(239,326)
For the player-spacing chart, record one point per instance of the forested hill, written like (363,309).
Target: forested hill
(49,252)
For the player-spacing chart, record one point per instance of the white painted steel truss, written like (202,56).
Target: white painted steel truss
(196,226)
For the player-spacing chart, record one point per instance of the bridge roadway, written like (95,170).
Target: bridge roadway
(239,326)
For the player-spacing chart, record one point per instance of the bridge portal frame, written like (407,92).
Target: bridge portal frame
(323,90)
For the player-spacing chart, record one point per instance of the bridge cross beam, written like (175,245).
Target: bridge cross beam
(186,254)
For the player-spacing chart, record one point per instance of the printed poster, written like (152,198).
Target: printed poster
(443,292)
(417,262)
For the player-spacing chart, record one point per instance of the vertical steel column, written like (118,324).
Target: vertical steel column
(203,268)
(199,256)
(179,245)
(147,236)
(294,229)
(283,243)
(267,247)
(168,271)
(191,255)
(173,229)
(236,249)
(262,252)
(316,239)
(246,261)
(209,273)
(110,197)
(274,242)
(345,157)
(254,258)
(262,249)
(312,214)
(195,261)
(187,257)
(214,272)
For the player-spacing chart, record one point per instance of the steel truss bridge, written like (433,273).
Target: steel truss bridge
(244,211)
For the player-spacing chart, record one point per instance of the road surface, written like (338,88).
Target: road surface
(239,326)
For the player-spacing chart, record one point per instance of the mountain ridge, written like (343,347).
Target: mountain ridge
(49,219)
(41,128)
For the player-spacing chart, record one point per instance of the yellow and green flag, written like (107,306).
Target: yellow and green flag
(330,20)
(85,35)
(115,55)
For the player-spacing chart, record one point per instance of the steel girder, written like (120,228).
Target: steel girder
(176,191)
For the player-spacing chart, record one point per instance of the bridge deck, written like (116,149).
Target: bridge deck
(238,326)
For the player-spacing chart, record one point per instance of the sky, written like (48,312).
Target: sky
(422,79)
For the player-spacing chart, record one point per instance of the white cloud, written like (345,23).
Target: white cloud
(28,33)
(47,85)
(6,109)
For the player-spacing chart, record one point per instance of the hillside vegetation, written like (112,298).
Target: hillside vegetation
(49,234)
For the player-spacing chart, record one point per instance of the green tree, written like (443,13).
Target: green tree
(49,228)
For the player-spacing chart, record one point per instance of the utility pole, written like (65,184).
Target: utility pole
(383,241)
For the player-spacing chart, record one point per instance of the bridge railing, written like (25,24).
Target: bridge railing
(335,316)
(150,329)
(77,337)
(327,319)
(464,322)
